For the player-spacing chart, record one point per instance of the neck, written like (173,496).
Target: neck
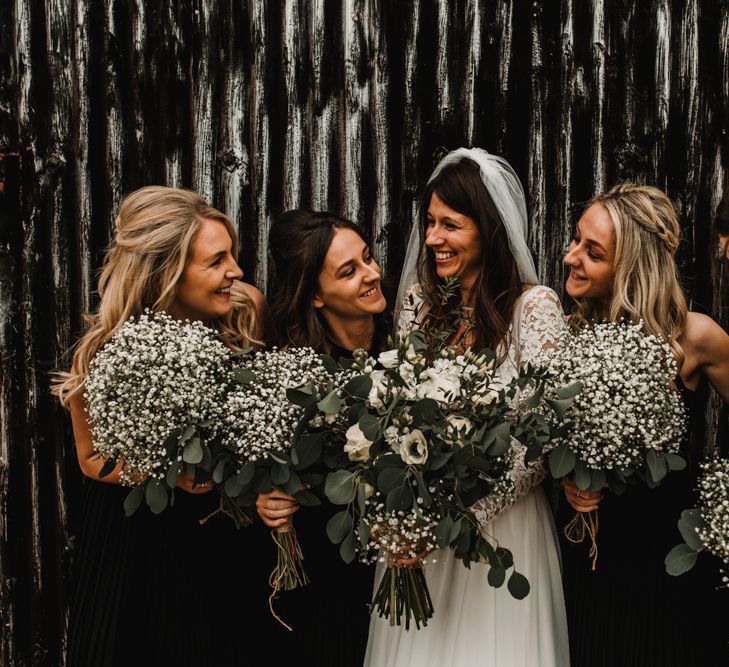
(351,334)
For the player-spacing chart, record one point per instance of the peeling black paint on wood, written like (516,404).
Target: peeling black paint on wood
(341,105)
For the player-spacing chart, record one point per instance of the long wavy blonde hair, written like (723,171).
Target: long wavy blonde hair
(153,235)
(646,282)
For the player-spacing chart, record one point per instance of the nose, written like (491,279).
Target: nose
(432,236)
(571,258)
(373,272)
(233,271)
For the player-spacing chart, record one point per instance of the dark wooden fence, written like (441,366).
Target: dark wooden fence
(333,104)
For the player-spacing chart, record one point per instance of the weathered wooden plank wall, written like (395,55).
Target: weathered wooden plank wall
(338,104)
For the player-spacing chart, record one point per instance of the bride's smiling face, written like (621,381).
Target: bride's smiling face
(455,241)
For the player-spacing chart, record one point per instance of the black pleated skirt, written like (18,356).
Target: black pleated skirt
(165,590)
(330,616)
(630,612)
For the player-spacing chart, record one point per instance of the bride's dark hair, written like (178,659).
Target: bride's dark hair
(298,242)
(497,285)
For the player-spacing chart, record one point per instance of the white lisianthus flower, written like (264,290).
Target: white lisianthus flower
(378,390)
(389,358)
(438,381)
(392,438)
(357,446)
(414,448)
(486,398)
(459,423)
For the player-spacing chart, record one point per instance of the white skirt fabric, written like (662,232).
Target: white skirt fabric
(477,625)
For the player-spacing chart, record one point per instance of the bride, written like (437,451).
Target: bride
(473,226)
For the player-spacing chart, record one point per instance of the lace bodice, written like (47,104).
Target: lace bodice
(536,327)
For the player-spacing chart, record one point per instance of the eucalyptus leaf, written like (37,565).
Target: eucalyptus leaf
(359,386)
(423,490)
(133,500)
(172,445)
(363,533)
(455,530)
(232,487)
(339,487)
(244,376)
(186,435)
(361,497)
(443,530)
(561,461)
(192,451)
(390,478)
(155,493)
(172,473)
(399,499)
(496,575)
(518,585)
(307,498)
(246,474)
(680,559)
(280,473)
(329,363)
(583,475)
(424,410)
(218,472)
(331,403)
(569,391)
(308,450)
(688,524)
(370,426)
(675,462)
(560,406)
(339,526)
(656,464)
(439,460)
(598,479)
(302,396)
(347,549)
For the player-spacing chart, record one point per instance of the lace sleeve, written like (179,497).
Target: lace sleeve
(412,309)
(540,325)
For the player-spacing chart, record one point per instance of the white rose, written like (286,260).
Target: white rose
(357,447)
(414,448)
(389,358)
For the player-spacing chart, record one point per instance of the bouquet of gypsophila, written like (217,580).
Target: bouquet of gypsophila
(626,424)
(154,395)
(706,527)
(262,442)
(422,440)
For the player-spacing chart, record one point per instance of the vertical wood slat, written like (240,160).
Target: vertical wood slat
(340,106)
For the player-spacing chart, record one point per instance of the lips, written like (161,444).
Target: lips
(576,276)
(373,291)
(443,256)
(223,291)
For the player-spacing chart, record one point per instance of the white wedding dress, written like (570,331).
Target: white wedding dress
(475,624)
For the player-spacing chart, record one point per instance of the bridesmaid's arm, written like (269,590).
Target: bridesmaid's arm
(91,463)
(88,458)
(710,345)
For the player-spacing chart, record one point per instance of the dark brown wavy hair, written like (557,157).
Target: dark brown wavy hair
(298,242)
(497,285)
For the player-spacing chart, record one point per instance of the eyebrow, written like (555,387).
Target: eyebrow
(214,256)
(590,241)
(365,249)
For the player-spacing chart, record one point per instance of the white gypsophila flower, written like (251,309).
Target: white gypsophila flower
(627,404)
(154,377)
(259,419)
(414,448)
(357,446)
(713,489)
